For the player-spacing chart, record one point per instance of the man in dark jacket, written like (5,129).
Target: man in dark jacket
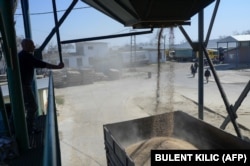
(207,74)
(28,63)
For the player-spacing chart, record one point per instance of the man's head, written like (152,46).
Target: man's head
(28,45)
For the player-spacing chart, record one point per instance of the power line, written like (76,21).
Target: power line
(42,13)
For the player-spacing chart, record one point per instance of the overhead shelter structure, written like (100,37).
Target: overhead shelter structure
(150,13)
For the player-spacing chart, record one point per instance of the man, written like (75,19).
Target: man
(28,63)
(207,74)
(192,70)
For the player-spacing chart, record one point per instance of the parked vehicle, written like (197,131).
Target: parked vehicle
(182,55)
(212,53)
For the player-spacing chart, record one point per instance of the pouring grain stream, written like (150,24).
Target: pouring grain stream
(158,129)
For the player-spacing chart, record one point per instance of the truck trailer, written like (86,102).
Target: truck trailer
(183,55)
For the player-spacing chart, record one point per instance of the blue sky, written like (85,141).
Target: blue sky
(232,17)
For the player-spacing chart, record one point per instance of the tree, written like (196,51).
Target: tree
(247,32)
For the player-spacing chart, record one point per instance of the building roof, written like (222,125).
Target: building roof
(214,43)
(242,37)
(211,44)
(235,38)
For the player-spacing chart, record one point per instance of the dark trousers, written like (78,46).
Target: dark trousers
(30,106)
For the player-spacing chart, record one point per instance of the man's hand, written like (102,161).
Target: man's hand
(60,65)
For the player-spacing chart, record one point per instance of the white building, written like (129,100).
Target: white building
(84,51)
(142,55)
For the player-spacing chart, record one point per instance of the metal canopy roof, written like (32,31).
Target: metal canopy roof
(150,13)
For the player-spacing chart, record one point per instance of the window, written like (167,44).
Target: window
(79,62)
(90,47)
(66,62)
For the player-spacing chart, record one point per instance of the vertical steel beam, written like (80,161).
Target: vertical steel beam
(201,64)
(14,81)
(26,18)
(28,34)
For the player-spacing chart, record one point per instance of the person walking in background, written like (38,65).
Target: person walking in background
(192,70)
(207,75)
(27,64)
(196,67)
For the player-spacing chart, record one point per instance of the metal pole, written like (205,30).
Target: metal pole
(53,31)
(107,37)
(200,71)
(28,34)
(186,36)
(237,104)
(164,48)
(229,107)
(212,22)
(52,151)
(57,30)
(26,18)
(14,80)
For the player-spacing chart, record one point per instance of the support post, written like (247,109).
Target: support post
(201,64)
(28,34)
(7,29)
(229,107)
(57,30)
(236,105)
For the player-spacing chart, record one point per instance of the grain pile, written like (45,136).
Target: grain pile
(140,152)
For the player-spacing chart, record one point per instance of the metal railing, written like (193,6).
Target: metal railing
(52,152)
(4,118)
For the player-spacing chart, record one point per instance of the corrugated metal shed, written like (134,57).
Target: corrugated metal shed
(213,44)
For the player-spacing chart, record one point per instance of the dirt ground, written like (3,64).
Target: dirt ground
(86,108)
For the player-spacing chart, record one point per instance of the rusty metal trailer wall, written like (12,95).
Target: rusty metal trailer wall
(118,136)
